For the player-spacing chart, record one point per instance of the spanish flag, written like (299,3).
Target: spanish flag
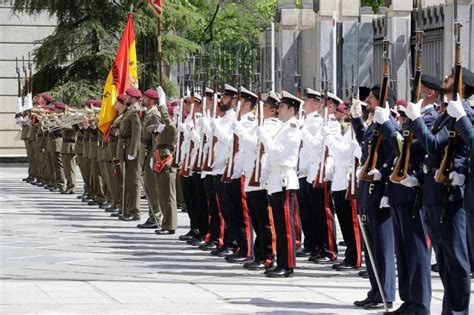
(122,76)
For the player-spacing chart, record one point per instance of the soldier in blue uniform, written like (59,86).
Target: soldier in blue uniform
(411,243)
(464,127)
(372,203)
(442,204)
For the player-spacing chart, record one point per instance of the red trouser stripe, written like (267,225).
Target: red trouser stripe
(296,218)
(355,224)
(272,228)
(328,220)
(221,222)
(245,213)
(289,236)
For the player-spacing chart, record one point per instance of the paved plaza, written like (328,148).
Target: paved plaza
(59,255)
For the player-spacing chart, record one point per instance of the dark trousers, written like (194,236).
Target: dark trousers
(225,204)
(452,256)
(239,216)
(202,208)
(216,221)
(470,235)
(262,222)
(305,216)
(413,258)
(283,215)
(379,231)
(347,217)
(321,214)
(190,201)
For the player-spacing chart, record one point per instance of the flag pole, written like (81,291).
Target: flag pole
(160,52)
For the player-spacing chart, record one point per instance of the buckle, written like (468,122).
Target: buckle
(371,188)
(375,133)
(452,134)
(426,169)
(406,133)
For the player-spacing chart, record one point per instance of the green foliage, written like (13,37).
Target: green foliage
(77,57)
(375,4)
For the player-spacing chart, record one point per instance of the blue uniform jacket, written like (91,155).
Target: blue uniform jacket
(464,127)
(370,193)
(434,143)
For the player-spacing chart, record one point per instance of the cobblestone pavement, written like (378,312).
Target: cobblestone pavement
(59,255)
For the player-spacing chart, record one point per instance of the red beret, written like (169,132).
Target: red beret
(152,93)
(402,102)
(88,102)
(121,98)
(97,103)
(60,105)
(133,92)
(47,97)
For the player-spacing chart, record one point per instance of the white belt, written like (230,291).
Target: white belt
(280,168)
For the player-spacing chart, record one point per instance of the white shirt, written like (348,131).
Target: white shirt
(282,156)
(223,146)
(310,134)
(343,152)
(250,148)
(248,123)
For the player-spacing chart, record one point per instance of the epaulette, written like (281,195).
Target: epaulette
(274,119)
(333,119)
(251,118)
(293,125)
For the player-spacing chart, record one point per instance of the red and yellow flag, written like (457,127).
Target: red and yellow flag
(122,76)
(157,5)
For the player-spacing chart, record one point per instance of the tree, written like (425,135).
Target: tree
(74,61)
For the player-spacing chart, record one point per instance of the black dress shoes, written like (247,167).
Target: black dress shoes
(377,305)
(208,247)
(129,217)
(116,214)
(198,242)
(238,258)
(304,252)
(149,224)
(225,252)
(362,303)
(315,256)
(111,210)
(279,272)
(363,274)
(93,203)
(81,196)
(104,206)
(254,265)
(188,236)
(54,189)
(323,260)
(164,232)
(345,267)
(334,266)
(404,309)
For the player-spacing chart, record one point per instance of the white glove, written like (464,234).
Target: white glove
(414,110)
(384,203)
(356,109)
(325,131)
(455,109)
(382,114)
(377,175)
(131,157)
(159,128)
(328,177)
(354,145)
(213,123)
(161,95)
(457,179)
(151,163)
(410,181)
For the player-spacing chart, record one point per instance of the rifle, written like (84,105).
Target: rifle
(186,167)
(177,156)
(209,158)
(400,171)
(447,163)
(30,75)
(318,180)
(352,185)
(229,168)
(197,165)
(20,90)
(376,141)
(257,168)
